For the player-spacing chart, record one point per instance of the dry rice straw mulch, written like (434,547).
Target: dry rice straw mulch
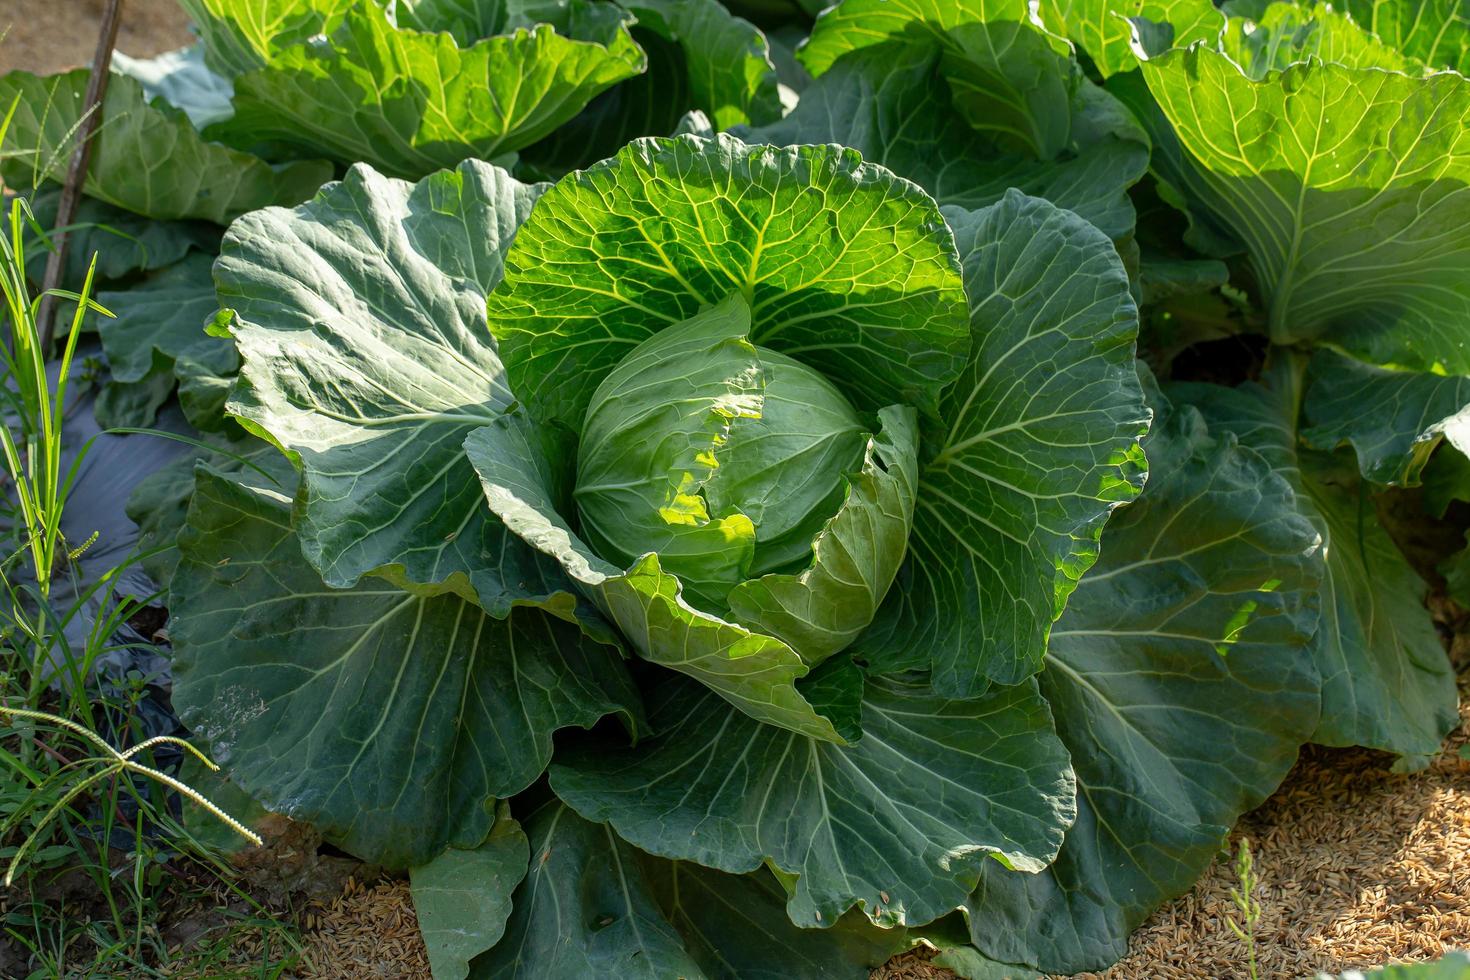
(369,933)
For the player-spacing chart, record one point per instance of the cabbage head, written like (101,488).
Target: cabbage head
(726,495)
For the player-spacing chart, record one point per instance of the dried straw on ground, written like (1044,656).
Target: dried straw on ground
(369,933)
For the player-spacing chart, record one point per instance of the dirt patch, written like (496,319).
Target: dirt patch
(49,35)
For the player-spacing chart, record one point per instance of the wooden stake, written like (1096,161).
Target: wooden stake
(76,173)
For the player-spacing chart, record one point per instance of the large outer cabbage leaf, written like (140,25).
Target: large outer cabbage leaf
(1386,681)
(593,906)
(846,267)
(902,822)
(389,721)
(584,910)
(412,101)
(361,325)
(1182,688)
(462,898)
(1346,186)
(146,157)
(718,913)
(1038,444)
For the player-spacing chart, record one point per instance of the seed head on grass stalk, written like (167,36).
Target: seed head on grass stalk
(114,762)
(1245,900)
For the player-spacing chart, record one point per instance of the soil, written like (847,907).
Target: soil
(1358,866)
(50,35)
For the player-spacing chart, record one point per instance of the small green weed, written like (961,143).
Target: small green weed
(96,859)
(1244,897)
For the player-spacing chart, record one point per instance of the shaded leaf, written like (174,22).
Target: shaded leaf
(1181,685)
(389,721)
(1394,420)
(1386,681)
(193,179)
(583,911)
(594,907)
(901,822)
(1451,966)
(648,104)
(462,898)
(159,504)
(123,242)
(718,915)
(162,319)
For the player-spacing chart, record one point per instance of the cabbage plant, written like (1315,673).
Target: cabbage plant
(721,451)
(689,404)
(415,85)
